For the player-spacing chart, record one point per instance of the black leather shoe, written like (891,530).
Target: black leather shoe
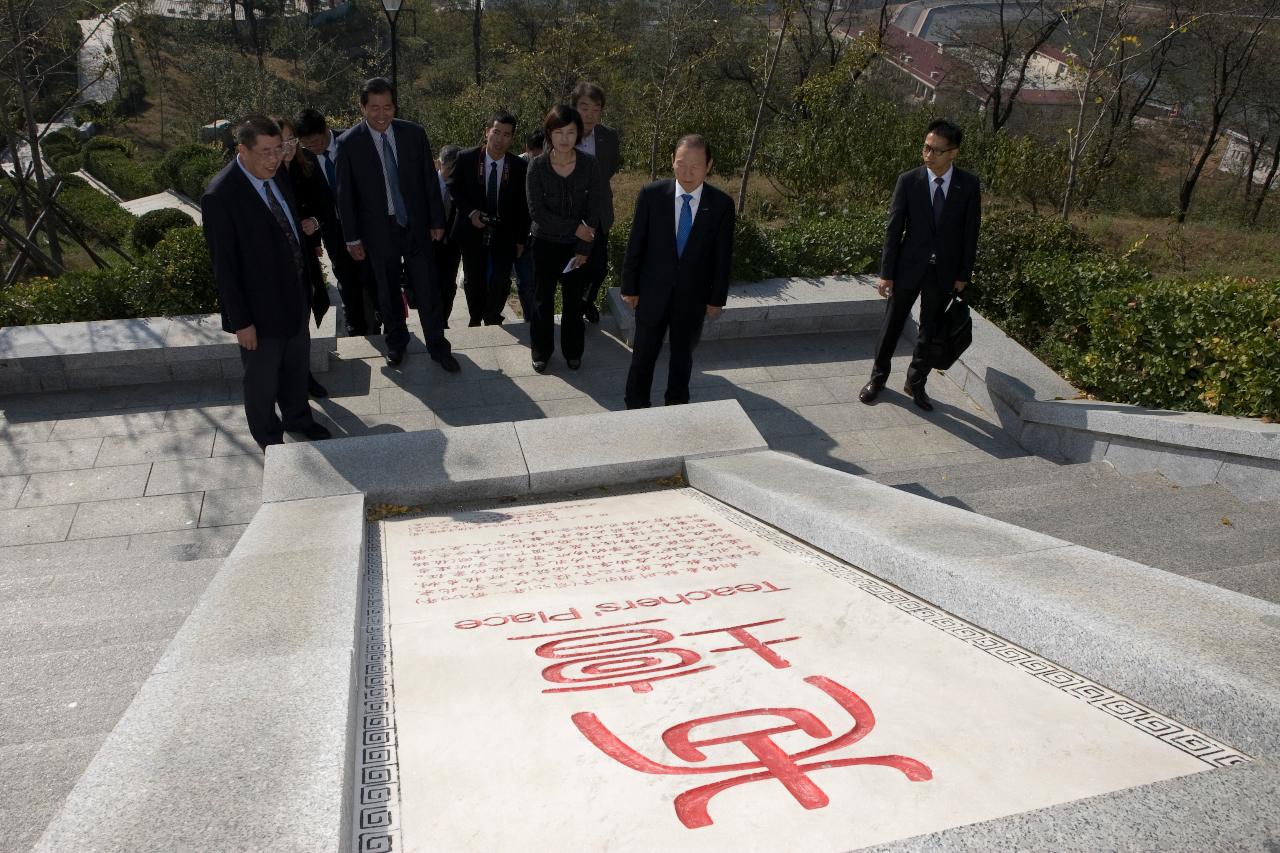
(590,312)
(314,432)
(315,389)
(870,391)
(540,366)
(574,363)
(448,362)
(395,356)
(918,396)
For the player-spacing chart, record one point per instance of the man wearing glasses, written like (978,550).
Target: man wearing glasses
(929,249)
(256,239)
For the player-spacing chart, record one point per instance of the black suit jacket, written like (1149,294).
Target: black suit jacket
(911,238)
(664,280)
(314,200)
(362,194)
(609,156)
(258,283)
(468,186)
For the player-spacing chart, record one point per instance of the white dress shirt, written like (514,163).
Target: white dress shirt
(946,183)
(587,144)
(260,186)
(693,202)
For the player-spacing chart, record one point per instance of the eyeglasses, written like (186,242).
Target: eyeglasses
(929,149)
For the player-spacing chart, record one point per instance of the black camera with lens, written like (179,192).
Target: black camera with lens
(491,222)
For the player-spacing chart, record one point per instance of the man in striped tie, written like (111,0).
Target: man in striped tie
(676,271)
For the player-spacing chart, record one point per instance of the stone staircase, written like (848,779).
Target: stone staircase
(1203,532)
(81,630)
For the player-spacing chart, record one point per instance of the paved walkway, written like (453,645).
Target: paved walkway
(117,505)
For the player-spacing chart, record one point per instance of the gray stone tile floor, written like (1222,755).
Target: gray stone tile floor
(117,505)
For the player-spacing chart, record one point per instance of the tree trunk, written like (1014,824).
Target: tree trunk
(756,129)
(477,23)
(1188,188)
(1266,185)
(1076,145)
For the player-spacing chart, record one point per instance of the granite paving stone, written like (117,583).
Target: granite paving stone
(129,423)
(136,515)
(1260,580)
(429,397)
(37,776)
(200,543)
(35,524)
(237,442)
(25,432)
(463,416)
(86,484)
(794,392)
(64,675)
(11,489)
(230,506)
(153,447)
(895,462)
(198,475)
(45,558)
(187,418)
(48,456)
(917,439)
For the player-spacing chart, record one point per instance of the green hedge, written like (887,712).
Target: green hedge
(175,278)
(112,161)
(63,151)
(152,226)
(189,168)
(93,212)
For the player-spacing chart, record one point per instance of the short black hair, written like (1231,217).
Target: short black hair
(310,122)
(694,140)
(377,86)
(248,131)
(562,116)
(535,141)
(449,155)
(502,117)
(590,91)
(948,131)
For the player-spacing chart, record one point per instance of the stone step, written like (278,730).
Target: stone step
(1080,490)
(945,473)
(1152,502)
(1186,557)
(1001,478)
(1261,580)
(193,544)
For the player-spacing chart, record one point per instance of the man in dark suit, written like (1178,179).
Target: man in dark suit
(448,253)
(359,302)
(929,250)
(391,211)
(676,271)
(256,242)
(492,225)
(601,142)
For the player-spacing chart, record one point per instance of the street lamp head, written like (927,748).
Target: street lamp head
(392,7)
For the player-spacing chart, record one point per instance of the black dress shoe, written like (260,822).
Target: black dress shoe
(314,432)
(395,356)
(918,396)
(448,362)
(590,312)
(574,363)
(315,389)
(540,366)
(870,391)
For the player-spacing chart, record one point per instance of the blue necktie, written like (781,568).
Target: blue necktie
(685,225)
(393,181)
(330,172)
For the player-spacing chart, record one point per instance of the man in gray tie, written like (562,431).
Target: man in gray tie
(392,213)
(929,250)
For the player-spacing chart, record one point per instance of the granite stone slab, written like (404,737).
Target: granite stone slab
(1186,465)
(125,423)
(136,515)
(11,490)
(1204,655)
(86,484)
(198,475)
(230,506)
(406,468)
(153,447)
(48,456)
(36,524)
(616,447)
(188,544)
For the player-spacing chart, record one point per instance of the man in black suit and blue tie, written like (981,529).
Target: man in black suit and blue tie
(929,250)
(256,241)
(676,271)
(392,213)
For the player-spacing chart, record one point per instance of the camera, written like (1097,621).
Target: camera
(490,222)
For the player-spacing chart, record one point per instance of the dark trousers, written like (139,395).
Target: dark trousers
(548,261)
(359,300)
(597,266)
(448,256)
(933,302)
(487,281)
(419,262)
(524,284)
(276,373)
(684,331)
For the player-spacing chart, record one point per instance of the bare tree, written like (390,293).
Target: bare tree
(1003,50)
(771,66)
(477,23)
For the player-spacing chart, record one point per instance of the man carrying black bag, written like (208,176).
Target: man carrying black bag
(929,251)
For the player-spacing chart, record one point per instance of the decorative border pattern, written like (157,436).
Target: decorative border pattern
(1170,731)
(376,809)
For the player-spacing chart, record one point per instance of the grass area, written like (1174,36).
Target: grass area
(1193,250)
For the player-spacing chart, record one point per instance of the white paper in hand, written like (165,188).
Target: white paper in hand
(571,266)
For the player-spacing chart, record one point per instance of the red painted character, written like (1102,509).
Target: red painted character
(772,761)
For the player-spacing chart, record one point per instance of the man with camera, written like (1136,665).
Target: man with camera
(492,218)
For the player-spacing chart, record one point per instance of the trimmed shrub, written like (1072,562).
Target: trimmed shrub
(91,295)
(151,227)
(62,150)
(189,168)
(176,277)
(831,243)
(94,213)
(1211,346)
(111,161)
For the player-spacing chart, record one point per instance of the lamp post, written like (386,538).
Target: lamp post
(392,10)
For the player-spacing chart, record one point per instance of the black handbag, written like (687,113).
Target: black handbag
(955,333)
